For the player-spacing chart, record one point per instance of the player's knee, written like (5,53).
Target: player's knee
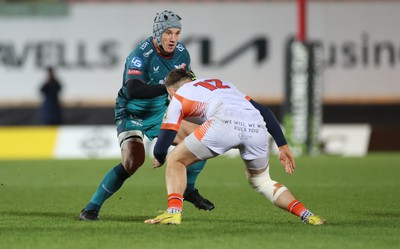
(134,157)
(172,159)
(176,158)
(131,165)
(263,184)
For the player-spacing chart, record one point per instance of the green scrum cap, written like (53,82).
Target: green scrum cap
(163,21)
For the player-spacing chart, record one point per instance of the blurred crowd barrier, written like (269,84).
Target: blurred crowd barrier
(75,142)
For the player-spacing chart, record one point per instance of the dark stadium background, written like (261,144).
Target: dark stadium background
(384,118)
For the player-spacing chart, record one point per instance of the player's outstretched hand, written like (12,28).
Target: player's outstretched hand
(286,158)
(156,164)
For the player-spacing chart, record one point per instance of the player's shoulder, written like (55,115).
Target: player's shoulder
(140,56)
(143,50)
(146,48)
(188,88)
(181,48)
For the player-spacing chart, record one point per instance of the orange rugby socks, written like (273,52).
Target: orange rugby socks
(175,203)
(297,208)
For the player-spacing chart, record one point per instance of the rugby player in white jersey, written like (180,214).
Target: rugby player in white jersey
(228,119)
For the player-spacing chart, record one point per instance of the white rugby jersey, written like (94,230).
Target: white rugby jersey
(201,99)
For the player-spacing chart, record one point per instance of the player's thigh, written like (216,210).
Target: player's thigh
(128,128)
(255,147)
(198,148)
(256,166)
(130,138)
(151,127)
(181,154)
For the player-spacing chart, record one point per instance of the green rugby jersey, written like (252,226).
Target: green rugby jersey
(146,64)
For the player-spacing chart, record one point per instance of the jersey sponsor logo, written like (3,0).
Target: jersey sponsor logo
(136,123)
(156,69)
(148,53)
(180,47)
(244,137)
(183,65)
(144,45)
(134,71)
(136,62)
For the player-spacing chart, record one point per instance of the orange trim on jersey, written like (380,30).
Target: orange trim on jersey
(179,97)
(190,108)
(169,126)
(202,129)
(248,98)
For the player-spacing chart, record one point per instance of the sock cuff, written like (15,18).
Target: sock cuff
(121,172)
(175,202)
(175,196)
(292,204)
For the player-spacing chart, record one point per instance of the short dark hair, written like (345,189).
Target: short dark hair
(177,75)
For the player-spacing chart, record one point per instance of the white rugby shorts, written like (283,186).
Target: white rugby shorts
(244,130)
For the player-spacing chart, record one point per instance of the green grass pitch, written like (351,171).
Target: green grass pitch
(359,198)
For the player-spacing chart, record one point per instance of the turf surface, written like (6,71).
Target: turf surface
(359,198)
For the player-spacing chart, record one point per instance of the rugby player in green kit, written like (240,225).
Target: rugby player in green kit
(140,107)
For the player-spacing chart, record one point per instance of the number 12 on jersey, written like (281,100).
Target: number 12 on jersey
(212,84)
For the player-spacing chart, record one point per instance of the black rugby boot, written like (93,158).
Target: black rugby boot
(198,201)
